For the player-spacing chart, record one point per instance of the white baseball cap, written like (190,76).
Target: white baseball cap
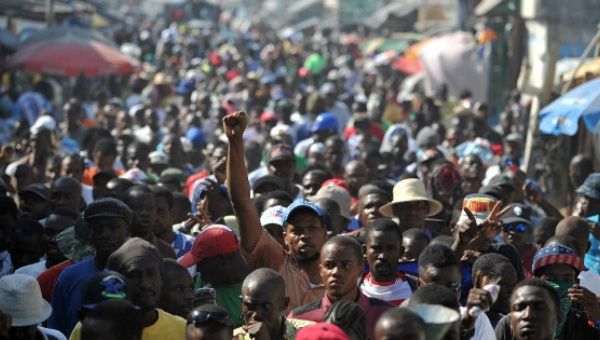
(273,215)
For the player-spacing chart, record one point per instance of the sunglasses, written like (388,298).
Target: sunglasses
(520,227)
(200,317)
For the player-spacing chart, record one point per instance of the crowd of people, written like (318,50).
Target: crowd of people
(228,190)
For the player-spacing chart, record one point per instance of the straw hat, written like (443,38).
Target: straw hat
(410,190)
(21,298)
(337,194)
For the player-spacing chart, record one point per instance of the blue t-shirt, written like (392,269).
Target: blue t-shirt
(66,296)
(592,257)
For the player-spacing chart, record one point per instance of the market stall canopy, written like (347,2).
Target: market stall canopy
(590,69)
(562,115)
(397,17)
(66,33)
(72,58)
(381,44)
(452,60)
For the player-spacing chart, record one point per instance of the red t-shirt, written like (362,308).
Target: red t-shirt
(527,260)
(48,278)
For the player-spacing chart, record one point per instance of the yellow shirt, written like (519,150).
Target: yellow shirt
(167,327)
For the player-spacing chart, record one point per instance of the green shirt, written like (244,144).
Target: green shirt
(228,298)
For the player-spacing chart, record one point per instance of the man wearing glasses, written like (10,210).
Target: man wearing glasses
(516,231)
(209,322)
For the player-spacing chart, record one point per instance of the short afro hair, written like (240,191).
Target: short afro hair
(437,256)
(486,262)
(384,225)
(537,282)
(347,241)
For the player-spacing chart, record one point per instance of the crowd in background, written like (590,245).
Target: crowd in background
(244,185)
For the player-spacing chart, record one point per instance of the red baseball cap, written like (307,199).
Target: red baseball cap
(336,181)
(212,241)
(267,116)
(322,331)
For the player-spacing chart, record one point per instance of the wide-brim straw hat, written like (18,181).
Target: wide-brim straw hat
(410,190)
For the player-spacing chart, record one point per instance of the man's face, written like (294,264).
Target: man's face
(33,206)
(66,194)
(399,145)
(558,273)
(334,153)
(370,205)
(143,206)
(517,235)
(163,215)
(412,214)
(54,225)
(145,279)
(340,271)
(508,280)
(26,249)
(72,167)
(177,296)
(138,158)
(304,236)
(311,184)
(576,174)
(448,276)
(107,234)
(285,169)
(512,149)
(356,177)
(412,248)
(383,251)
(588,206)
(533,316)
(262,303)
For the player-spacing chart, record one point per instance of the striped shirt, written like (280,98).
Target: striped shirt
(393,292)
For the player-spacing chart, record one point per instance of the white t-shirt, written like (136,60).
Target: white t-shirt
(483,326)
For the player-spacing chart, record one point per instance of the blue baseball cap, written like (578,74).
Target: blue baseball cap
(591,186)
(324,122)
(302,204)
(196,137)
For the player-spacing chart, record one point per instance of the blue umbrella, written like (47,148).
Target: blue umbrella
(562,115)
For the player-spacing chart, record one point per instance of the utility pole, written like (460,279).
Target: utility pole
(49,13)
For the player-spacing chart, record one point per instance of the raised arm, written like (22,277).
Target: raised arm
(237,181)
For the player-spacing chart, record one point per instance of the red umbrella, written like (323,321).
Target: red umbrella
(407,65)
(72,57)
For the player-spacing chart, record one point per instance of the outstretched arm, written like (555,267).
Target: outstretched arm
(237,181)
